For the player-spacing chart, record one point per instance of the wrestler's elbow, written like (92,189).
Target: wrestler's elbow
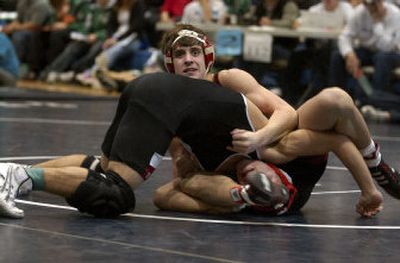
(290,114)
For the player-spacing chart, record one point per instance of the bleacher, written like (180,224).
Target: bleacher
(252,42)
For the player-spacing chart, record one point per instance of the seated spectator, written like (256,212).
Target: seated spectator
(125,43)
(307,67)
(306,4)
(375,26)
(9,64)
(59,29)
(378,115)
(32,16)
(355,3)
(87,35)
(152,17)
(172,10)
(239,12)
(194,12)
(276,13)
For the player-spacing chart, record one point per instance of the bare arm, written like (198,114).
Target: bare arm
(16,26)
(282,117)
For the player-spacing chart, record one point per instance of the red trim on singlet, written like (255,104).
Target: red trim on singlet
(147,172)
(216,79)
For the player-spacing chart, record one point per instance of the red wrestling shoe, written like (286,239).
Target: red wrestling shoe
(388,178)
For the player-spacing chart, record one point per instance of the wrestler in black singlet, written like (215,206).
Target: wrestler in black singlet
(157,107)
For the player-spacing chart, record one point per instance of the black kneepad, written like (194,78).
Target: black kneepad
(103,195)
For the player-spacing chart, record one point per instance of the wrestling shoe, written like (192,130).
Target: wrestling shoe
(387,177)
(14,181)
(263,192)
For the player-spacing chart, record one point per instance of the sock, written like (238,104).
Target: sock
(371,154)
(37,176)
(240,196)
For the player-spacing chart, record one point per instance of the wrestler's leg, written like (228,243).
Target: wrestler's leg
(334,110)
(64,181)
(171,197)
(75,160)
(64,161)
(85,187)
(306,142)
(212,189)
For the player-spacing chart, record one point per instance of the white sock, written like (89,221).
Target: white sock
(372,154)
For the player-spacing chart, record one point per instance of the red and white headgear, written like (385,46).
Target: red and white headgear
(208,49)
(279,191)
(288,184)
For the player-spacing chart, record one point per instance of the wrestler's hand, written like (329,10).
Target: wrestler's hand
(370,204)
(244,141)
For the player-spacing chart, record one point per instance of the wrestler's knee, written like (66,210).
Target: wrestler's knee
(103,195)
(335,99)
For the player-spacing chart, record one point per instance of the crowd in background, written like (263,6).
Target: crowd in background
(91,41)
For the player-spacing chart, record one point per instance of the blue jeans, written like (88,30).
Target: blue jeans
(22,41)
(130,53)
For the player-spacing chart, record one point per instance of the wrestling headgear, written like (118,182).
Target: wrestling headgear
(287,183)
(208,49)
(270,197)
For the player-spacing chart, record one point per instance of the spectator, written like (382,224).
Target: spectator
(194,12)
(9,64)
(279,13)
(87,35)
(354,3)
(307,67)
(239,11)
(152,17)
(172,10)
(375,27)
(372,113)
(59,30)
(125,42)
(306,4)
(32,15)
(276,13)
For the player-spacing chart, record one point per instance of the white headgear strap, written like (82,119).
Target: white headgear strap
(188,33)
